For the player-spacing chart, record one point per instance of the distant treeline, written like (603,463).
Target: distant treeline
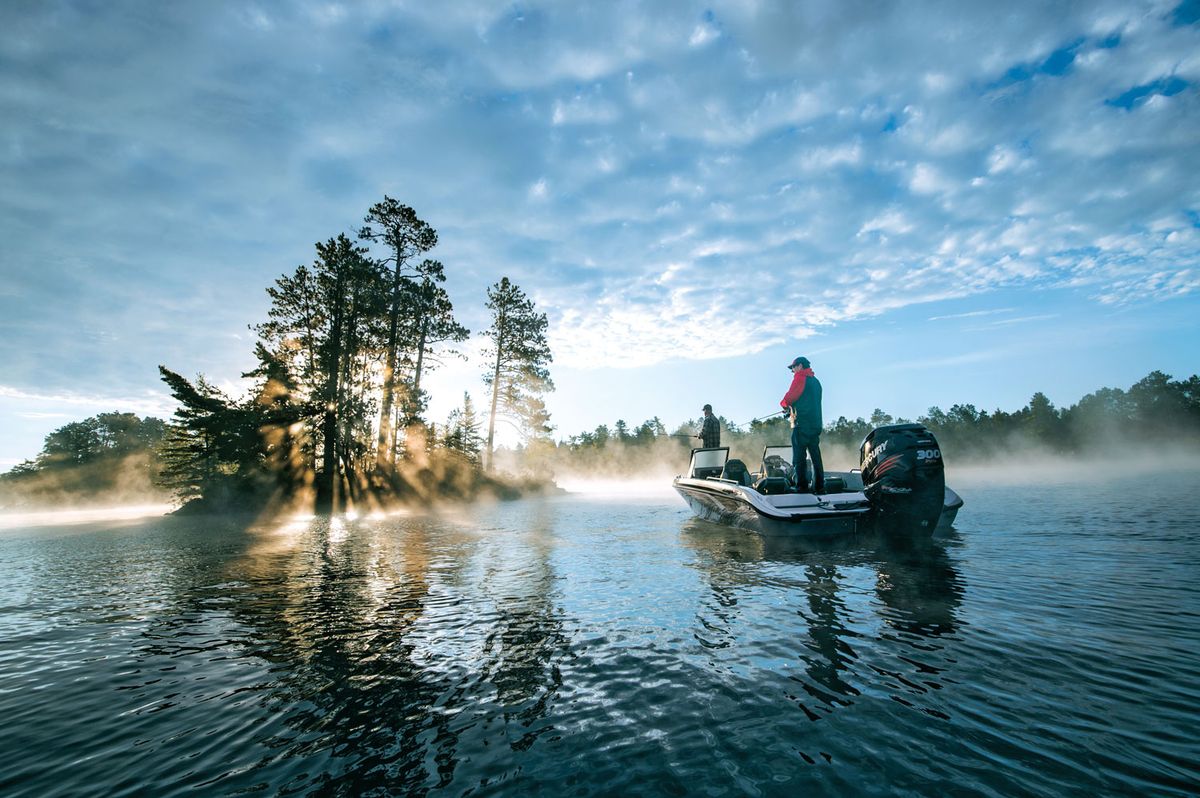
(111,454)
(1156,409)
(232,443)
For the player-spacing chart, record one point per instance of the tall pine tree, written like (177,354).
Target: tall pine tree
(327,320)
(433,324)
(517,354)
(406,237)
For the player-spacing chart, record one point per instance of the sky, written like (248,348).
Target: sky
(936,203)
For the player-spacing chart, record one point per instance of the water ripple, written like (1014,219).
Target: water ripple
(585,647)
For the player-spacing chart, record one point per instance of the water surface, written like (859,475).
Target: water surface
(592,645)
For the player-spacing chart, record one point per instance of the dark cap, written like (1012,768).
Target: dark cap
(707,407)
(800,361)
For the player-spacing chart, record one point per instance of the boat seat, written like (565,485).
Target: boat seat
(771,485)
(735,471)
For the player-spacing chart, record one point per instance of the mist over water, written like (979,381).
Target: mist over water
(625,472)
(29,519)
(605,642)
(107,483)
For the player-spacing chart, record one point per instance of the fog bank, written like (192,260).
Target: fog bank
(75,517)
(106,482)
(649,470)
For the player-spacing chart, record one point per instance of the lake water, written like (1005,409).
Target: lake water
(593,645)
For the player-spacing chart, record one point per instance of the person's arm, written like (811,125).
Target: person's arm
(794,390)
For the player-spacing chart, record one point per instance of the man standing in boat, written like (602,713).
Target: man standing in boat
(710,433)
(803,405)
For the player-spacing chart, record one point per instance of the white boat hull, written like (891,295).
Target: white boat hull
(789,513)
(800,514)
(903,460)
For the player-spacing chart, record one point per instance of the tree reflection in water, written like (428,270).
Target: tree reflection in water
(522,649)
(355,688)
(401,656)
(381,669)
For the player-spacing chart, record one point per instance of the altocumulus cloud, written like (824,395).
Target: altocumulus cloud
(829,165)
(657,174)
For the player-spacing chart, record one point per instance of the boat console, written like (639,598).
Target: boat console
(776,475)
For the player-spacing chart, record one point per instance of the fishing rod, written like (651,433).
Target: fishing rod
(689,436)
(764,418)
(730,424)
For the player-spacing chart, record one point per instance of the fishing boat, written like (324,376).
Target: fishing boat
(900,486)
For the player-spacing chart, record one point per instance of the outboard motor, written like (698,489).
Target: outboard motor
(903,476)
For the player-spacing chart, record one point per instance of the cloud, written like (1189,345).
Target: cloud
(150,404)
(673,182)
(821,159)
(584,109)
(891,221)
(1004,158)
(928,179)
(1019,320)
(1157,286)
(704,33)
(971,314)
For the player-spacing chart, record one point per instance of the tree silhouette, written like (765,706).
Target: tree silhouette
(517,354)
(406,237)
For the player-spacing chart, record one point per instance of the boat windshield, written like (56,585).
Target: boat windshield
(784,453)
(708,462)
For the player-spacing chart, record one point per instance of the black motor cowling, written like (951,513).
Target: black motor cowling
(903,475)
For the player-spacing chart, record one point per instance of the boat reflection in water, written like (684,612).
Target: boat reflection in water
(876,611)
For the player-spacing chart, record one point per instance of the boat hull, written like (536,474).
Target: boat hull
(802,515)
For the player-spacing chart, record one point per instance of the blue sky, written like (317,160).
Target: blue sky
(935,202)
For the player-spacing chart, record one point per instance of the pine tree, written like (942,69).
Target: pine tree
(406,236)
(325,323)
(287,444)
(433,324)
(211,447)
(462,431)
(518,355)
